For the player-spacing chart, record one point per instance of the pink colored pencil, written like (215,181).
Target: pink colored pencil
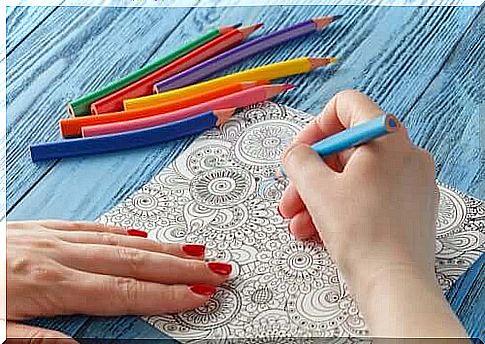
(236,100)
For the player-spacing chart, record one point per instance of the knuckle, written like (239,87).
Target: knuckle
(46,243)
(46,274)
(129,290)
(427,161)
(133,258)
(19,265)
(107,239)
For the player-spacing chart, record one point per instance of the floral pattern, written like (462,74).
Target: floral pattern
(222,192)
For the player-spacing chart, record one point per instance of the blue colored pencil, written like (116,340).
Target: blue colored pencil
(355,136)
(130,139)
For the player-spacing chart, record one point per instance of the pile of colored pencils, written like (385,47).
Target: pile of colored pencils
(172,97)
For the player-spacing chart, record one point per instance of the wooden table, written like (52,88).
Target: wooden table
(421,63)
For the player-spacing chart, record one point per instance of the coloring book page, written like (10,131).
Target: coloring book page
(221,192)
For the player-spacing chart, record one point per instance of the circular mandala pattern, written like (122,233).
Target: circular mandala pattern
(452,212)
(219,188)
(264,143)
(299,265)
(207,157)
(218,311)
(221,193)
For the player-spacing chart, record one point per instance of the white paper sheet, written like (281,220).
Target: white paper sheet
(221,192)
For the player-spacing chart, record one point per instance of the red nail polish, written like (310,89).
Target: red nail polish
(194,250)
(137,233)
(220,268)
(203,289)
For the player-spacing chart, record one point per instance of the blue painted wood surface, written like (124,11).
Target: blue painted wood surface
(420,63)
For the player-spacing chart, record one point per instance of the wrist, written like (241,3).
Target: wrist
(402,301)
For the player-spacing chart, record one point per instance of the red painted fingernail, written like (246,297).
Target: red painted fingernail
(220,268)
(203,289)
(137,233)
(194,250)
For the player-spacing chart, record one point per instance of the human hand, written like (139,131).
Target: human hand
(60,268)
(374,206)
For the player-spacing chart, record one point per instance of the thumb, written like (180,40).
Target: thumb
(20,333)
(309,173)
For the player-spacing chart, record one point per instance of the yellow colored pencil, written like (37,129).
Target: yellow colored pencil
(267,72)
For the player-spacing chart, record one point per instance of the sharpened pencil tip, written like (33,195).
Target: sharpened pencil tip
(223,115)
(225,29)
(317,62)
(247,31)
(323,22)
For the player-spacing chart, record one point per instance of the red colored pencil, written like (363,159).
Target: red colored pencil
(144,86)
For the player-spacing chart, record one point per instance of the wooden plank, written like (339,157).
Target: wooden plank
(469,305)
(369,46)
(359,40)
(448,120)
(75,50)
(22,21)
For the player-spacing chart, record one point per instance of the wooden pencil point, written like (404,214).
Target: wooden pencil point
(247,31)
(223,115)
(317,62)
(323,22)
(226,29)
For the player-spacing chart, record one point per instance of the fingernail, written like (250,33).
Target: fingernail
(194,250)
(289,228)
(203,289)
(279,212)
(220,268)
(137,233)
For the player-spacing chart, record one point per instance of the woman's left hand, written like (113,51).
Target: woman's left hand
(60,268)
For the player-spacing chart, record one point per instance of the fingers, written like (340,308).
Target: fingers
(70,226)
(19,333)
(143,265)
(311,176)
(192,251)
(105,295)
(302,227)
(290,203)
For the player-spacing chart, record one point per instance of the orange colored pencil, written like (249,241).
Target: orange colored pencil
(71,127)
(144,86)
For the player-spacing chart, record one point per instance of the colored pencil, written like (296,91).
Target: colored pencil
(71,127)
(241,53)
(138,103)
(81,106)
(144,86)
(355,136)
(236,100)
(268,72)
(134,139)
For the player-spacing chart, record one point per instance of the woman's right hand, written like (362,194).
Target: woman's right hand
(375,208)
(60,268)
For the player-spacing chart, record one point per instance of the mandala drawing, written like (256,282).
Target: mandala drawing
(221,192)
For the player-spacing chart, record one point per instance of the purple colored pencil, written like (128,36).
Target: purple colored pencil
(231,57)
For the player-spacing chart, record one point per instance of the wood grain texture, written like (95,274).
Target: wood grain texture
(453,103)
(393,54)
(22,21)
(358,40)
(469,306)
(75,50)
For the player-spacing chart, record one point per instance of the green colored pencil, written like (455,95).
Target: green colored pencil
(81,106)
